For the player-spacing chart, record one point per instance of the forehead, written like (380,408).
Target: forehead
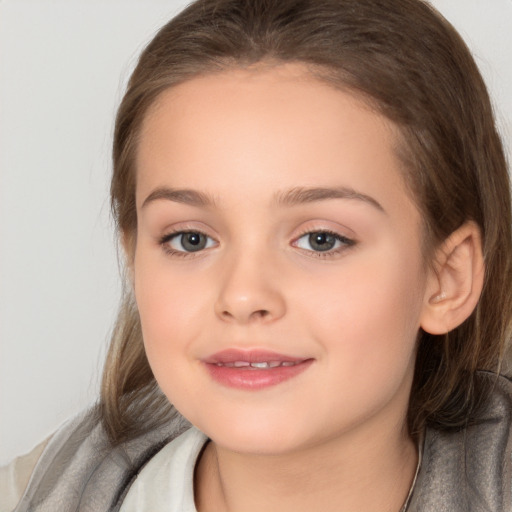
(265,128)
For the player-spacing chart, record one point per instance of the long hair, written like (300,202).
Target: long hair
(411,65)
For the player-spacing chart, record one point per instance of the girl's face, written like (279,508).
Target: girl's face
(278,268)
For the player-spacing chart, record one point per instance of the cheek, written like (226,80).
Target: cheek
(369,314)
(169,308)
(169,320)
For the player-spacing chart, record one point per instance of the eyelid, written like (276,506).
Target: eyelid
(182,229)
(346,241)
(342,238)
(173,236)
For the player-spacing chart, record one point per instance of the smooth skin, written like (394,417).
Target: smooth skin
(252,162)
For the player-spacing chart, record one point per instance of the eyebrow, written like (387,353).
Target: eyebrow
(301,195)
(292,197)
(185,196)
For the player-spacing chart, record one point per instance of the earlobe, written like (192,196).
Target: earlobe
(456,281)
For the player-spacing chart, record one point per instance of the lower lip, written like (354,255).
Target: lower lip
(255,378)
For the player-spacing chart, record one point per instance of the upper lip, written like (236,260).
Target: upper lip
(251,356)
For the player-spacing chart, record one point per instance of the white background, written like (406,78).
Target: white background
(63,66)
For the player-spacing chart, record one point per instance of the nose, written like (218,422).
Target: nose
(249,291)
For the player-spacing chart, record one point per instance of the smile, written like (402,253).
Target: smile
(253,369)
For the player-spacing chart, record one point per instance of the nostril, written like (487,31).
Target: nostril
(260,313)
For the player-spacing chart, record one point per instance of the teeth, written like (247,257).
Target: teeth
(260,365)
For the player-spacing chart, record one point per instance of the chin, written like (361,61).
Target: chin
(255,436)
(259,444)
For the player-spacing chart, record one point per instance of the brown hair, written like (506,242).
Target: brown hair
(410,64)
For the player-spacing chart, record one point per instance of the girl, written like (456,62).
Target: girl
(314,207)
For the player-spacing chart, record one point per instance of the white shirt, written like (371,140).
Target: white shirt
(166,483)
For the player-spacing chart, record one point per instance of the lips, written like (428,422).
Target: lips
(253,369)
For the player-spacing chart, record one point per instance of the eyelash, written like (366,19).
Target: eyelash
(346,243)
(164,242)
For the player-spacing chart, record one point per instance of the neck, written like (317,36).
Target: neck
(358,472)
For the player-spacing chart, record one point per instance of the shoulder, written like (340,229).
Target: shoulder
(80,470)
(470,470)
(15,476)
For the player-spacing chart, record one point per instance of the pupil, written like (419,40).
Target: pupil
(322,241)
(193,238)
(193,241)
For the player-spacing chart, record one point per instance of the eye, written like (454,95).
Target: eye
(322,241)
(187,241)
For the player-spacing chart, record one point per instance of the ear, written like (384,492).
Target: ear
(455,282)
